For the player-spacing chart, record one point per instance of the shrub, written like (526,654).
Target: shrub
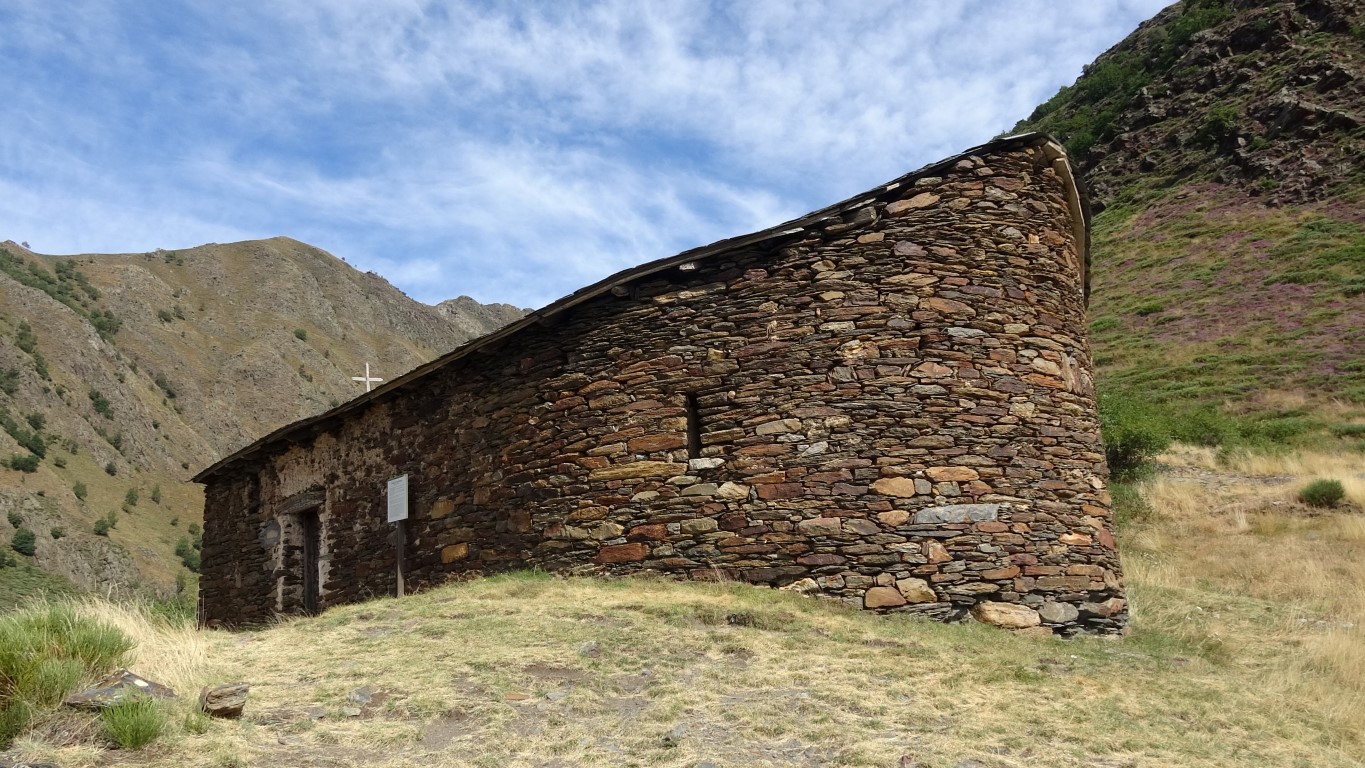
(36,420)
(23,462)
(164,315)
(165,385)
(134,722)
(58,462)
(188,554)
(1133,432)
(15,519)
(40,367)
(24,542)
(57,532)
(101,404)
(1322,493)
(301,334)
(80,490)
(156,494)
(102,527)
(131,497)
(24,338)
(45,651)
(110,469)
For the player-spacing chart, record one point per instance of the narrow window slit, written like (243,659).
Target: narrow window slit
(693,428)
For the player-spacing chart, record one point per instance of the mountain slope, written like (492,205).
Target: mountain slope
(128,371)
(1222,144)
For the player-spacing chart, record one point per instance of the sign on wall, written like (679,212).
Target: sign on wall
(398,498)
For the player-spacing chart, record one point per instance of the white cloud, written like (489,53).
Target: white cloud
(514,152)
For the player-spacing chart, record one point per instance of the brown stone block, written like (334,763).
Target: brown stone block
(902,487)
(995,574)
(652,443)
(1075,539)
(777,491)
(651,532)
(947,306)
(992,526)
(1051,382)
(1106,538)
(951,474)
(893,517)
(936,552)
(820,558)
(441,508)
(454,552)
(722,436)
(883,597)
(638,469)
(589,513)
(519,522)
(847,489)
(820,526)
(622,553)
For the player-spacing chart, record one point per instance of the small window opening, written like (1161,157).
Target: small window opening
(693,428)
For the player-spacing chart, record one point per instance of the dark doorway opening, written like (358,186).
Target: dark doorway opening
(312,543)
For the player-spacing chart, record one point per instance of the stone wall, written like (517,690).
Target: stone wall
(893,408)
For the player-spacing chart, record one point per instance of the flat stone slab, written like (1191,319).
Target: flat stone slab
(224,700)
(958,513)
(114,688)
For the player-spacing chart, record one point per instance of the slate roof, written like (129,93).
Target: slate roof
(305,429)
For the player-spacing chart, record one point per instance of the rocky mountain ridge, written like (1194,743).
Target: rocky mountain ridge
(1222,144)
(127,372)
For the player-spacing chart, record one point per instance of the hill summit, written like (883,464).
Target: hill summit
(120,373)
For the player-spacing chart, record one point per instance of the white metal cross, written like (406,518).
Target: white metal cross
(366,378)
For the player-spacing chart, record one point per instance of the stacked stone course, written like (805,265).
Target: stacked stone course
(893,407)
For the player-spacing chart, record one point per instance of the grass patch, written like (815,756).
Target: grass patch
(134,723)
(45,652)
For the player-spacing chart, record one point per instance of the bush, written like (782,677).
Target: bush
(102,527)
(24,542)
(45,651)
(110,469)
(164,315)
(101,404)
(188,554)
(301,334)
(156,494)
(57,532)
(21,462)
(1322,493)
(131,497)
(165,385)
(15,519)
(1133,432)
(80,490)
(134,722)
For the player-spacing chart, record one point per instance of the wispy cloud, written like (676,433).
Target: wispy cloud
(513,152)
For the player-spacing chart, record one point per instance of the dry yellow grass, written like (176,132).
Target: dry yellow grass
(1246,650)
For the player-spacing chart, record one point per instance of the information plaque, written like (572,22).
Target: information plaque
(398,498)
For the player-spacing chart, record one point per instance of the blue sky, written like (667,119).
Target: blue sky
(508,151)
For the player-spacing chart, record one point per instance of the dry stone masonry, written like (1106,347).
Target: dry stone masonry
(888,402)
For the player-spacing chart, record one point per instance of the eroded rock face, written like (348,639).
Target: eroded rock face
(897,414)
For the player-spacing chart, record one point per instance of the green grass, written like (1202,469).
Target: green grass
(134,723)
(45,652)
(22,583)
